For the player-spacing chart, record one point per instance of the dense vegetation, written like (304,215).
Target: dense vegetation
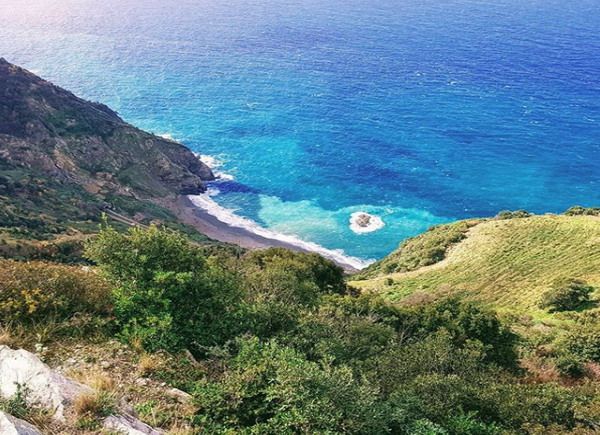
(281,344)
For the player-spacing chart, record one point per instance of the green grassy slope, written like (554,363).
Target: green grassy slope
(508,263)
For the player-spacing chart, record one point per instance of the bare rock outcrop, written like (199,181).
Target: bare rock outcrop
(128,425)
(49,389)
(47,129)
(10,425)
(44,386)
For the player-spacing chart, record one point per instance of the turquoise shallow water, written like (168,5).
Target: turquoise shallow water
(418,112)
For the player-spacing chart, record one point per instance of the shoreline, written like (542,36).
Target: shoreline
(214,228)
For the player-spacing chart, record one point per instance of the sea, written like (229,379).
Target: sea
(315,112)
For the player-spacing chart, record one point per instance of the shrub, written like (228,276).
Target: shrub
(279,283)
(167,295)
(269,388)
(566,296)
(570,365)
(583,341)
(508,214)
(467,321)
(583,211)
(546,404)
(36,291)
(326,276)
(346,338)
(469,424)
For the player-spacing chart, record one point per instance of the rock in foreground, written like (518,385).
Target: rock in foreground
(45,387)
(10,425)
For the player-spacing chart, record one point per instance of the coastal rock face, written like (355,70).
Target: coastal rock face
(49,130)
(10,425)
(128,425)
(44,386)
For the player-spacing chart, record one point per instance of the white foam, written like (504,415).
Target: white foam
(375,223)
(213,163)
(212,191)
(167,136)
(223,176)
(206,203)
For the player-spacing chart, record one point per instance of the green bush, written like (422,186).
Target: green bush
(276,264)
(37,291)
(332,333)
(508,214)
(269,388)
(167,295)
(469,424)
(466,321)
(278,284)
(583,211)
(545,404)
(567,296)
(583,341)
(570,365)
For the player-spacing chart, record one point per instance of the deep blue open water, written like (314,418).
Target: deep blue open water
(417,111)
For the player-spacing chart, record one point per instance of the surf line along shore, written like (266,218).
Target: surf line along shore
(216,222)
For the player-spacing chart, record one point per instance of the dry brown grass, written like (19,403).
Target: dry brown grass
(96,404)
(6,337)
(15,336)
(148,364)
(592,371)
(181,430)
(540,371)
(94,378)
(136,344)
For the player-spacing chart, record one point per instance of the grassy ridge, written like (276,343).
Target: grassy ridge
(423,250)
(508,263)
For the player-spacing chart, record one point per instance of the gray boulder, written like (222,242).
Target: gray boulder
(10,425)
(51,390)
(44,386)
(128,425)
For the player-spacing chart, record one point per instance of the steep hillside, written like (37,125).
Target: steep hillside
(64,160)
(48,129)
(509,263)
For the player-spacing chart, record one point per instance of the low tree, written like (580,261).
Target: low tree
(167,294)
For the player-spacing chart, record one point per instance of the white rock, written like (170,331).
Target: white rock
(128,425)
(45,387)
(10,425)
(181,396)
(50,390)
